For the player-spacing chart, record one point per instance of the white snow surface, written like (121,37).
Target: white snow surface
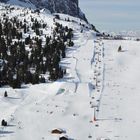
(98,98)
(33,111)
(119,114)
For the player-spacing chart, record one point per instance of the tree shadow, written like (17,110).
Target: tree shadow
(64,63)
(123,50)
(68,78)
(109,119)
(13,98)
(64,67)
(24,87)
(71,49)
(75,37)
(10,125)
(105,119)
(6,132)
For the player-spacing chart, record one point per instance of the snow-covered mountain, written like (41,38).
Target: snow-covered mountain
(21,108)
(38,44)
(98,96)
(69,7)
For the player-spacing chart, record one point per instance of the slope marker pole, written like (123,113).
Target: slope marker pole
(94,119)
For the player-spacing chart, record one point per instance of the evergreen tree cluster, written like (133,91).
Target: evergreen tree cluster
(25,58)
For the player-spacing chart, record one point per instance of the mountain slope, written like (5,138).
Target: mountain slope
(34,110)
(69,7)
(98,97)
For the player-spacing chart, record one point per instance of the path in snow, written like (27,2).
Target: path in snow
(64,104)
(104,86)
(34,110)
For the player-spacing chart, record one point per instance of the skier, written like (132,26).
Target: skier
(120,49)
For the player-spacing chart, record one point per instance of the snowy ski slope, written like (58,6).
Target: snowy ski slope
(98,98)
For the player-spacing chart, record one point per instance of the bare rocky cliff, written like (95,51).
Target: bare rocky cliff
(70,7)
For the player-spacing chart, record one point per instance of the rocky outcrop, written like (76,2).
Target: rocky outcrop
(70,7)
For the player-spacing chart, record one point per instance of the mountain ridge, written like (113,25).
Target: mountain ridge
(70,7)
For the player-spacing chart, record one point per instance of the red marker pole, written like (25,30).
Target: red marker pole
(94,119)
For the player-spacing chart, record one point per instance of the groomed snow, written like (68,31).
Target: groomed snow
(98,98)
(35,110)
(119,114)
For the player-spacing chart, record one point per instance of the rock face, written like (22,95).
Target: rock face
(64,6)
(3,0)
(70,7)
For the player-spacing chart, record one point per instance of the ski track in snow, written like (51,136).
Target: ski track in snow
(33,111)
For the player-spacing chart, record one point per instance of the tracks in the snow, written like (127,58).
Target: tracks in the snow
(78,79)
(76,70)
